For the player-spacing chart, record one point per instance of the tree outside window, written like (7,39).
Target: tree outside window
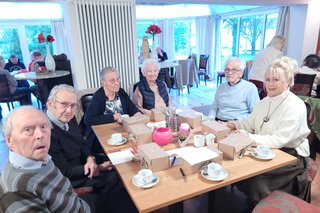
(249,34)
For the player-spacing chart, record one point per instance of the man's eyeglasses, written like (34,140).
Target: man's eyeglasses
(233,70)
(66,105)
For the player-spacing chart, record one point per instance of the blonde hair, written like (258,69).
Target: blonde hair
(276,42)
(2,61)
(284,66)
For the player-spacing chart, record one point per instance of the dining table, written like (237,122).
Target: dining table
(172,189)
(43,81)
(186,73)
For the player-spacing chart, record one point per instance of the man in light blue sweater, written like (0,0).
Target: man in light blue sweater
(30,182)
(235,99)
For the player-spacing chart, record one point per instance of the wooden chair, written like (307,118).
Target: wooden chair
(220,75)
(203,61)
(303,84)
(6,96)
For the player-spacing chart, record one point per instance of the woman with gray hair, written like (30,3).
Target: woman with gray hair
(108,103)
(279,121)
(150,92)
(263,59)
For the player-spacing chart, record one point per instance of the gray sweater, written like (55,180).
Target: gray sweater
(38,190)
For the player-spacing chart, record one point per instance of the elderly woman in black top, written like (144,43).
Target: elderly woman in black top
(151,92)
(108,103)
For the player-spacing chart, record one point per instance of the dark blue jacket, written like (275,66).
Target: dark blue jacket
(148,95)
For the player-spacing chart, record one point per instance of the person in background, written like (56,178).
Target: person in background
(151,93)
(107,105)
(14,64)
(311,66)
(13,84)
(280,122)
(75,161)
(263,59)
(36,55)
(162,55)
(235,99)
(30,182)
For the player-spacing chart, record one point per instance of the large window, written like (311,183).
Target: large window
(245,36)
(20,23)
(184,38)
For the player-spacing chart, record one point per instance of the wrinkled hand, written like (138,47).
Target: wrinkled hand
(231,125)
(116,116)
(105,166)
(91,168)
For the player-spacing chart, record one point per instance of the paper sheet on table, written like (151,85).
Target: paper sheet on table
(120,156)
(194,155)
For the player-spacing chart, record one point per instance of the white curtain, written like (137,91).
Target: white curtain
(205,34)
(166,38)
(283,24)
(60,43)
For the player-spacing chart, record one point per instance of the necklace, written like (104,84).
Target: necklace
(267,118)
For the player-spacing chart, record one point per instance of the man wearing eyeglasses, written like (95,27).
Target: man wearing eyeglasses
(76,161)
(235,99)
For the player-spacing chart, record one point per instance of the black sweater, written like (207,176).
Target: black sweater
(95,112)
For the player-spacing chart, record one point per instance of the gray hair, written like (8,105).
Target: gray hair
(2,61)
(242,64)
(283,66)
(107,70)
(148,62)
(276,41)
(36,53)
(7,125)
(57,88)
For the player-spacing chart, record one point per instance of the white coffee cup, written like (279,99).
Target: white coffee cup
(124,116)
(263,150)
(144,176)
(210,139)
(214,169)
(199,140)
(116,138)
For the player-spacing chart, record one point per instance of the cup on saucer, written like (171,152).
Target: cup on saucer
(214,170)
(263,150)
(116,138)
(198,140)
(144,176)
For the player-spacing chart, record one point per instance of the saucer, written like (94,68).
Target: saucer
(124,140)
(270,156)
(223,175)
(147,185)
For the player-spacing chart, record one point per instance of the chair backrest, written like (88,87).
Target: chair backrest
(303,84)
(85,101)
(4,87)
(203,62)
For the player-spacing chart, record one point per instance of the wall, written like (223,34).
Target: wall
(304,24)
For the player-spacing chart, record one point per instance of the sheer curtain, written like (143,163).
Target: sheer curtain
(60,43)
(206,36)
(166,38)
(283,24)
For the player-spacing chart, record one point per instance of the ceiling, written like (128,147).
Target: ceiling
(220,7)
(225,2)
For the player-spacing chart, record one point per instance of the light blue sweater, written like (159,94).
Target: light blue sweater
(234,102)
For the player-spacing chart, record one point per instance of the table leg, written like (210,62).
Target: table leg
(176,208)
(211,200)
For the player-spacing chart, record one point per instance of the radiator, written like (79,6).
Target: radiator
(108,38)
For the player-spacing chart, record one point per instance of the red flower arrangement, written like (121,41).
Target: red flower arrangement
(42,39)
(153,30)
